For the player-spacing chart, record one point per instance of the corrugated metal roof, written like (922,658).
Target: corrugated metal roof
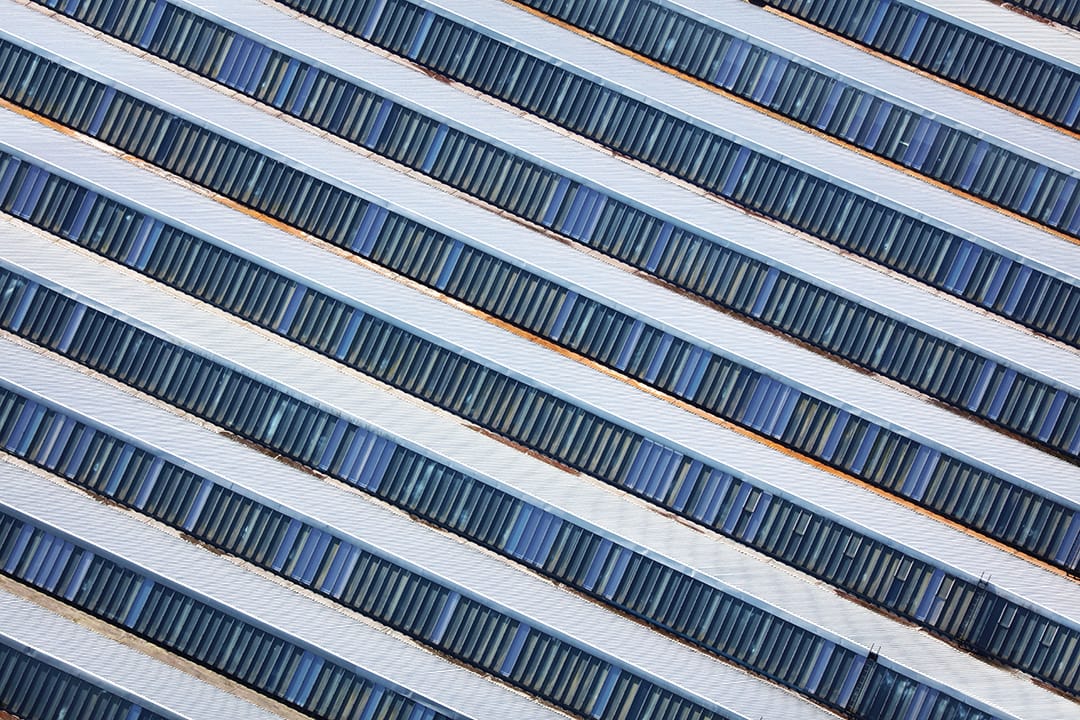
(768,581)
(928,97)
(332,386)
(765,239)
(1051,42)
(116,668)
(897,297)
(1047,145)
(348,637)
(439,435)
(779,139)
(980,224)
(849,389)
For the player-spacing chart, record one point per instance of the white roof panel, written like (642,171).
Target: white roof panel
(114,667)
(629,518)
(847,388)
(331,385)
(897,297)
(776,138)
(900,85)
(1050,42)
(348,638)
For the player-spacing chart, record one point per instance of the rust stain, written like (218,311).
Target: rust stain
(911,68)
(142,646)
(26,112)
(772,444)
(550,345)
(814,131)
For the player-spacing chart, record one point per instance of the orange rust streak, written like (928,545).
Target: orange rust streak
(8,105)
(814,131)
(918,71)
(683,405)
(574,356)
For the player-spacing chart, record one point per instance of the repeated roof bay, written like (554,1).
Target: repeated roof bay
(303,395)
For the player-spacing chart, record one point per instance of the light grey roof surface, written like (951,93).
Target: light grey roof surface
(611,513)
(938,314)
(437,555)
(626,517)
(765,239)
(780,139)
(113,667)
(350,639)
(1043,40)
(126,294)
(1013,238)
(849,389)
(475,573)
(888,80)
